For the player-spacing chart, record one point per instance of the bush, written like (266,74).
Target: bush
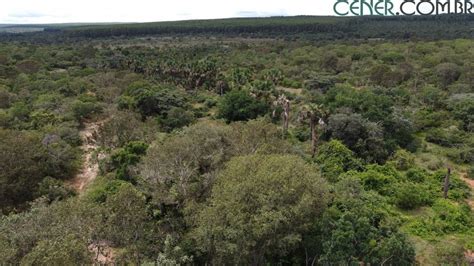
(450,253)
(5,98)
(152,100)
(447,73)
(334,159)
(416,175)
(410,196)
(128,156)
(450,137)
(403,160)
(378,178)
(462,106)
(104,188)
(53,190)
(239,105)
(85,110)
(462,155)
(63,250)
(447,218)
(176,118)
(470,172)
(363,137)
(260,199)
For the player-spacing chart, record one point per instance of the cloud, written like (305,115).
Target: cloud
(60,11)
(253,14)
(27,14)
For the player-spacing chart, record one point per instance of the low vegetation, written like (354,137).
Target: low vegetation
(238,150)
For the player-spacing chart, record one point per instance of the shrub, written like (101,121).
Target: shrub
(450,137)
(470,172)
(104,188)
(334,159)
(128,156)
(450,253)
(462,106)
(416,175)
(447,218)
(177,117)
(410,196)
(260,199)
(363,137)
(403,160)
(63,250)
(447,73)
(53,189)
(239,105)
(378,178)
(84,110)
(151,100)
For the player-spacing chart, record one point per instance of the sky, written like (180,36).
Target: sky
(62,11)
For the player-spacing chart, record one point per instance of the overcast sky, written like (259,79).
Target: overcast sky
(60,11)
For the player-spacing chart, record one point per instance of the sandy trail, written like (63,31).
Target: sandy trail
(470,183)
(469,253)
(90,166)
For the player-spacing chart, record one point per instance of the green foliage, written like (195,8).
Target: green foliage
(470,172)
(172,254)
(25,161)
(358,134)
(85,109)
(447,73)
(433,97)
(383,75)
(416,175)
(151,100)
(239,105)
(462,106)
(104,188)
(51,234)
(375,105)
(285,195)
(128,223)
(128,156)
(5,98)
(53,190)
(320,83)
(124,127)
(450,253)
(176,118)
(410,196)
(183,165)
(61,251)
(403,160)
(206,192)
(358,228)
(447,217)
(450,137)
(378,178)
(334,159)
(458,190)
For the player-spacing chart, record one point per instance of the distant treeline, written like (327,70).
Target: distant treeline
(306,27)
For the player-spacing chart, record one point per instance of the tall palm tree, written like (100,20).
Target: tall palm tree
(315,114)
(286,106)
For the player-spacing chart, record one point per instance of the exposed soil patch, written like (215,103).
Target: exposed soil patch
(103,254)
(470,183)
(90,166)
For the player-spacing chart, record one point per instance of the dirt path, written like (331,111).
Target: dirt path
(470,183)
(469,253)
(90,166)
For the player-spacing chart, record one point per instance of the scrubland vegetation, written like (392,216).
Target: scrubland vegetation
(237,150)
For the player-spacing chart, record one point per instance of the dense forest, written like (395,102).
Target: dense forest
(288,28)
(278,141)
